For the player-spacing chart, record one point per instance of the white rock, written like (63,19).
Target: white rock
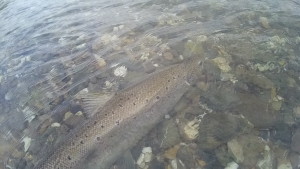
(79,113)
(55,125)
(232,165)
(29,114)
(236,149)
(140,162)
(27,141)
(120,71)
(147,150)
(174,164)
(148,157)
(67,115)
(101,62)
(286,165)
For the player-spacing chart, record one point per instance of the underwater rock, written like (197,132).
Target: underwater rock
(171,153)
(295,145)
(222,63)
(74,120)
(218,128)
(67,115)
(246,150)
(268,161)
(221,98)
(284,164)
(97,44)
(101,62)
(295,160)
(120,71)
(186,155)
(297,112)
(257,110)
(232,165)
(282,133)
(145,158)
(168,56)
(168,134)
(264,22)
(222,155)
(27,141)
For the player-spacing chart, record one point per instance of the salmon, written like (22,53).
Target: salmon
(124,119)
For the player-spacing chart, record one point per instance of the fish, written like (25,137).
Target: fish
(124,119)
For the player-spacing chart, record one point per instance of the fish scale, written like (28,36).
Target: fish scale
(124,119)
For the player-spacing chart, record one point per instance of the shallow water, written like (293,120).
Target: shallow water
(52,50)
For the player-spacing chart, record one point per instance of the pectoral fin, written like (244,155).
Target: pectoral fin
(93,101)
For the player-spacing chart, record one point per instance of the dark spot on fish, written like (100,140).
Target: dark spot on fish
(73,144)
(134,117)
(76,135)
(121,98)
(128,98)
(134,103)
(132,94)
(86,135)
(95,122)
(178,76)
(98,138)
(157,97)
(88,126)
(174,77)
(167,88)
(169,80)
(147,100)
(137,98)
(105,114)
(120,105)
(69,158)
(81,142)
(118,122)
(102,126)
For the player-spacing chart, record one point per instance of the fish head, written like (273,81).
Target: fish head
(194,69)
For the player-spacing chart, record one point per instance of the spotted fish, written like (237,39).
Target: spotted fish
(124,119)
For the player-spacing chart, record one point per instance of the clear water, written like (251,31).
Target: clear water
(52,50)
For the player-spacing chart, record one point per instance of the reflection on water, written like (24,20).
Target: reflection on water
(244,114)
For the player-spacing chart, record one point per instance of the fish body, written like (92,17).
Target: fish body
(123,120)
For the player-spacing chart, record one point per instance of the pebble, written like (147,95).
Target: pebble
(67,115)
(168,134)
(264,22)
(27,141)
(236,150)
(232,165)
(247,150)
(168,56)
(8,96)
(222,63)
(284,164)
(120,71)
(171,152)
(55,125)
(297,112)
(295,145)
(101,62)
(268,160)
(97,44)
(294,158)
(145,158)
